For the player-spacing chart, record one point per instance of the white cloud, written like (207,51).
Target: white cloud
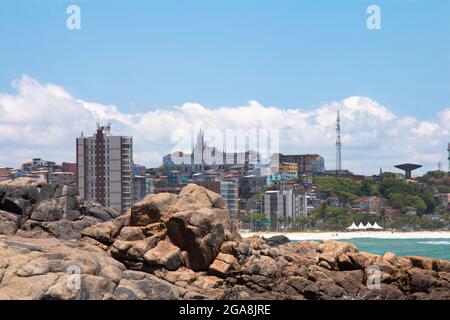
(44,120)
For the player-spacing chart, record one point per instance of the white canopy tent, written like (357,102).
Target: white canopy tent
(369,226)
(376,226)
(353,227)
(361,226)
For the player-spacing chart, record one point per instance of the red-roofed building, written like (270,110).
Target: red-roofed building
(69,167)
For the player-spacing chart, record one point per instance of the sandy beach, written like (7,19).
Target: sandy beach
(355,234)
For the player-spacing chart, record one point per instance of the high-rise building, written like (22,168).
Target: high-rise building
(139,188)
(229,190)
(288,203)
(104,168)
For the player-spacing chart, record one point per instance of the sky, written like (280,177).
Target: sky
(153,67)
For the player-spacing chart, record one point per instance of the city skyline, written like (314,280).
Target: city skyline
(42,120)
(224,150)
(162,66)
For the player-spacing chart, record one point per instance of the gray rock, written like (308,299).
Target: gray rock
(99,213)
(8,223)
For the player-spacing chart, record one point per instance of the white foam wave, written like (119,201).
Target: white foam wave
(435,243)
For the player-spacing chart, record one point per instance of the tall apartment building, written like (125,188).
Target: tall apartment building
(287,202)
(139,188)
(229,190)
(104,168)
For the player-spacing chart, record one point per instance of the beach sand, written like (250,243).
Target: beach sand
(354,234)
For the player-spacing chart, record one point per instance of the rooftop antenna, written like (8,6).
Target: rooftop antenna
(338,144)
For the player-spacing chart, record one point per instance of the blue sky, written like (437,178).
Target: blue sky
(153,67)
(141,55)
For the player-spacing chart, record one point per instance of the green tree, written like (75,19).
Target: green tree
(300,221)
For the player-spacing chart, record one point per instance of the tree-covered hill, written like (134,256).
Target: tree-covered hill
(400,194)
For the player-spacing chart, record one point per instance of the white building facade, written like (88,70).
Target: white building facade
(104,168)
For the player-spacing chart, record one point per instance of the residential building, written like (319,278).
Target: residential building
(250,185)
(229,190)
(139,188)
(248,208)
(288,170)
(273,179)
(288,203)
(411,211)
(149,185)
(5,173)
(213,186)
(333,201)
(209,179)
(272,207)
(371,204)
(63,177)
(69,167)
(308,164)
(104,168)
(448,201)
(38,163)
(175,177)
(209,175)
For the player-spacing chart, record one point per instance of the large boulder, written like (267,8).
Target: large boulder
(336,248)
(9,223)
(223,265)
(263,265)
(196,222)
(164,254)
(199,233)
(276,240)
(57,269)
(152,208)
(38,209)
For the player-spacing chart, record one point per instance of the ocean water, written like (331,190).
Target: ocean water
(432,248)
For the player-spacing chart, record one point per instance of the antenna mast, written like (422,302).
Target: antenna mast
(338,144)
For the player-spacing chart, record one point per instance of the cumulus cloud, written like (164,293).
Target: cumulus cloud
(43,120)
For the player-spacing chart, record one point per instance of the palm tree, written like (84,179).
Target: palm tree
(300,220)
(256,218)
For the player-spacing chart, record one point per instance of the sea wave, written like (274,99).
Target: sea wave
(435,243)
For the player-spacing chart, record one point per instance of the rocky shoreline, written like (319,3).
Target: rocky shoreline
(184,247)
(39,210)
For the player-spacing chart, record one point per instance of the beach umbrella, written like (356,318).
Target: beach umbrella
(361,226)
(352,227)
(376,226)
(369,226)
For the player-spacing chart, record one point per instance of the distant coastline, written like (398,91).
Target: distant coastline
(299,236)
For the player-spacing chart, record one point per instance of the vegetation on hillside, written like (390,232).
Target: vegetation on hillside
(400,194)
